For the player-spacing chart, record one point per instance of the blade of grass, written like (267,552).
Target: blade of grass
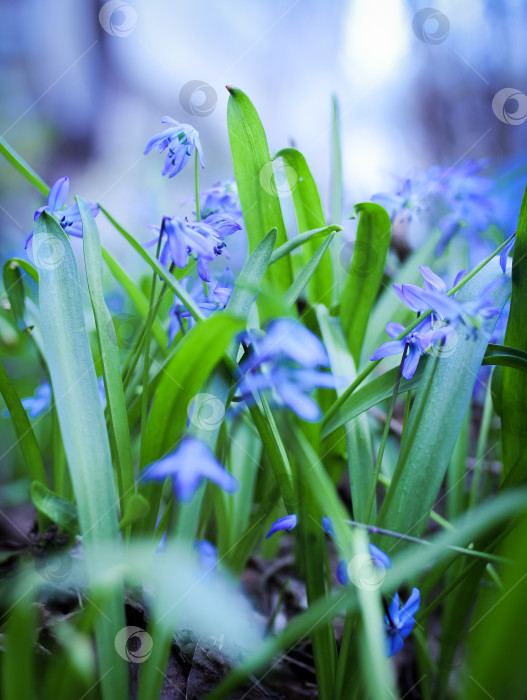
(295,290)
(109,354)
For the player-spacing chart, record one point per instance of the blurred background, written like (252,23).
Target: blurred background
(85,86)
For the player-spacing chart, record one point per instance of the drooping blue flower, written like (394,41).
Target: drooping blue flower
(221,198)
(208,303)
(287,523)
(68,217)
(181,140)
(400,621)
(411,294)
(283,363)
(505,253)
(410,198)
(418,341)
(202,239)
(190,463)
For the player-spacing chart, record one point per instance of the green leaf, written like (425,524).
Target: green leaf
(336,199)
(365,274)
(437,415)
(136,508)
(59,510)
(309,215)
(506,357)
(109,350)
(250,277)
(196,356)
(295,290)
(14,288)
(24,432)
(514,381)
(256,181)
(358,438)
(82,424)
(18,657)
(371,394)
(27,267)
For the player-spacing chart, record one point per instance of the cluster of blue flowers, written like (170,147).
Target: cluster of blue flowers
(447,315)
(462,191)
(283,363)
(399,620)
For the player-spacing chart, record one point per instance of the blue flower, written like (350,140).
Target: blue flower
(203,239)
(221,198)
(287,523)
(190,463)
(418,341)
(412,296)
(181,140)
(410,198)
(208,303)
(327,526)
(69,218)
(399,621)
(274,367)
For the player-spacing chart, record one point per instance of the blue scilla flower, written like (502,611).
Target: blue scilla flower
(399,621)
(180,140)
(287,523)
(202,239)
(208,303)
(283,363)
(190,463)
(411,197)
(68,217)
(411,294)
(221,198)
(417,342)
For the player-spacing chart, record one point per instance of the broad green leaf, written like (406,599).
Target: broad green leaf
(257,188)
(379,389)
(59,510)
(358,438)
(196,356)
(437,414)
(109,352)
(309,215)
(136,508)
(514,381)
(365,273)
(506,357)
(82,423)
(24,432)
(295,290)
